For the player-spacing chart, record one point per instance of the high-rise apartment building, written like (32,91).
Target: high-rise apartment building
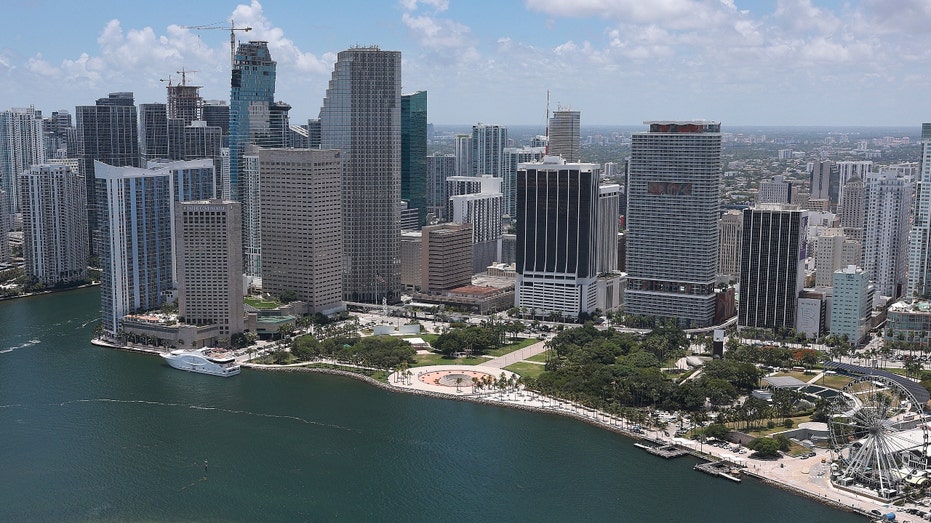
(414,152)
(361,116)
(488,143)
(886,228)
(730,239)
(607,229)
(853,208)
(153,131)
(249,176)
(776,190)
(483,212)
(557,235)
(108,133)
(514,156)
(60,135)
(252,92)
(184,101)
(852,303)
(772,266)
(21,145)
(4,228)
(217,114)
(919,256)
(846,170)
(673,197)
(833,251)
(55,246)
(208,256)
(439,168)
(137,241)
(302,225)
(565,135)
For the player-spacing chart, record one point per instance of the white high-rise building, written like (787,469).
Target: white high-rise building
(886,228)
(919,256)
(439,168)
(776,190)
(673,197)
(4,229)
(846,170)
(483,211)
(514,156)
(251,194)
(488,143)
(833,252)
(21,146)
(463,155)
(54,205)
(361,116)
(852,210)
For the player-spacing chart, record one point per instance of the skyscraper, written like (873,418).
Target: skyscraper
(252,91)
(672,219)
(153,131)
(565,135)
(772,267)
(301,225)
(414,152)
(137,206)
(846,170)
(108,133)
(4,228)
(557,222)
(776,190)
(208,256)
(822,175)
(514,156)
(446,256)
(919,266)
(361,116)
(886,227)
(852,303)
(853,208)
(217,114)
(833,251)
(488,143)
(463,155)
(730,237)
(55,242)
(21,145)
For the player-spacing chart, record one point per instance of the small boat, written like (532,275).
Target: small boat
(204,361)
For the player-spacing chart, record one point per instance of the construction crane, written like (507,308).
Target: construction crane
(232,28)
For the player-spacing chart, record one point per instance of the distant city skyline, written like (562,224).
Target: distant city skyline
(619,62)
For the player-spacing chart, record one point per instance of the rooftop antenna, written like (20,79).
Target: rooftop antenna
(547,152)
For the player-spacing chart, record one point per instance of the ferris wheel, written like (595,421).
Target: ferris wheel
(878,431)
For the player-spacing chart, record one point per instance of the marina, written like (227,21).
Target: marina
(721,469)
(662,450)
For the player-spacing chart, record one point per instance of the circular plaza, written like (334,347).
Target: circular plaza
(447,379)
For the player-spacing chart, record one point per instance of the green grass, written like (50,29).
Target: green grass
(423,360)
(260,304)
(527,370)
(543,357)
(511,347)
(801,376)
(834,381)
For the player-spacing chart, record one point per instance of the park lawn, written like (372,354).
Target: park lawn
(511,347)
(422,360)
(834,381)
(761,430)
(526,370)
(801,376)
(796,450)
(260,304)
(543,357)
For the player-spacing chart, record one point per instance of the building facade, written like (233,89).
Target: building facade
(514,156)
(208,252)
(853,209)
(414,152)
(446,252)
(361,116)
(672,220)
(833,252)
(730,239)
(919,255)
(301,223)
(886,229)
(557,222)
(55,244)
(565,135)
(252,91)
(852,304)
(439,168)
(488,143)
(772,266)
(22,145)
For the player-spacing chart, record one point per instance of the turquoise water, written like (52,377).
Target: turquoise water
(88,433)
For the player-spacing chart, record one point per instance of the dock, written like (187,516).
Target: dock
(718,468)
(663,451)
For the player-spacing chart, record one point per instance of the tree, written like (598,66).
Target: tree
(764,448)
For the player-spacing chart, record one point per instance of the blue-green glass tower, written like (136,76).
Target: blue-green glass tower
(414,152)
(252,83)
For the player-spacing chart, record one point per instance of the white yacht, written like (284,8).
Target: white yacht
(203,361)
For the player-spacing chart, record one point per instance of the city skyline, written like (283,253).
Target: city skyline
(745,62)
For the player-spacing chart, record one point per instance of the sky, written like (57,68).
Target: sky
(619,62)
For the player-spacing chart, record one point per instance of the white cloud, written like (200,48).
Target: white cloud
(437,5)
(283,49)
(436,33)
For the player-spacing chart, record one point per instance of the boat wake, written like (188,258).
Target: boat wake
(29,343)
(217,409)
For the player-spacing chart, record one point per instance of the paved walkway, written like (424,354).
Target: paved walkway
(425,378)
(503,361)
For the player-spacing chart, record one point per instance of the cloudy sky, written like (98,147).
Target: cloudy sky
(743,62)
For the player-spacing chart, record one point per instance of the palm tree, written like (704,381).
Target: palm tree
(474,383)
(458,384)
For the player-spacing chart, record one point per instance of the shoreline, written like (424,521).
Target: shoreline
(49,291)
(794,489)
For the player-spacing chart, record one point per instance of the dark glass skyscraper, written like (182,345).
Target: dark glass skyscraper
(107,132)
(414,152)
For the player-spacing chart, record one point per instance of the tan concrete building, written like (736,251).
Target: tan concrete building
(411,260)
(208,251)
(446,254)
(301,220)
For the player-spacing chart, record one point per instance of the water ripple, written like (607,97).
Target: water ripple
(29,343)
